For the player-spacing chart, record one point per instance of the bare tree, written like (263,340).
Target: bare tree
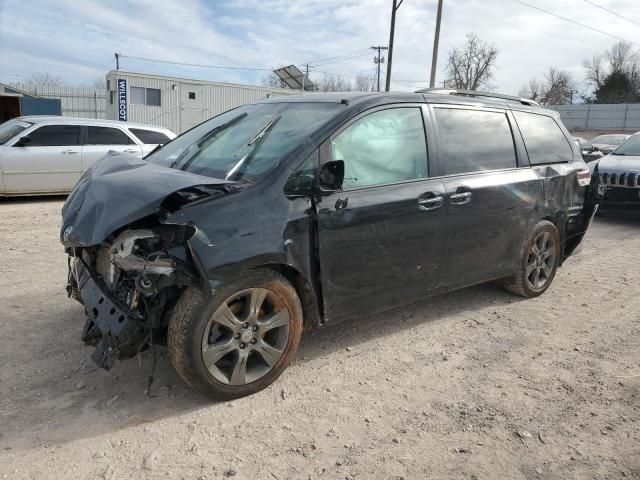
(595,70)
(621,56)
(531,90)
(471,67)
(45,79)
(365,83)
(559,87)
(556,89)
(272,80)
(333,83)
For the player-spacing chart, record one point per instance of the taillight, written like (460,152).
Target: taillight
(584,177)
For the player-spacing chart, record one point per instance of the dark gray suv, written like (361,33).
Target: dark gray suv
(300,212)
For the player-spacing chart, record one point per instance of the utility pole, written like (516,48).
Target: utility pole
(436,41)
(305,76)
(378,60)
(117,60)
(394,8)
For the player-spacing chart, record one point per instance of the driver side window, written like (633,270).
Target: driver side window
(55,136)
(386,146)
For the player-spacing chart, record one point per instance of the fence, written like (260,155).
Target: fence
(75,102)
(622,116)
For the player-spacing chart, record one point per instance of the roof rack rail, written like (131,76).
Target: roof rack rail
(474,93)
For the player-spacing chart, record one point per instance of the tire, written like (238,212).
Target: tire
(223,346)
(535,258)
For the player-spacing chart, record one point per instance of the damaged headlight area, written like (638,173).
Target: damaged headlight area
(127,285)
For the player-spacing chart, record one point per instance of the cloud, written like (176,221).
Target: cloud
(77,39)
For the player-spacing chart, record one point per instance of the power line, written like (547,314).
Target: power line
(201,65)
(338,60)
(361,50)
(611,12)
(229,67)
(574,22)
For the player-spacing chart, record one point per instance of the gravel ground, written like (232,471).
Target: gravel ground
(476,384)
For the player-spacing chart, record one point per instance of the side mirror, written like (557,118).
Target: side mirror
(23,141)
(331,176)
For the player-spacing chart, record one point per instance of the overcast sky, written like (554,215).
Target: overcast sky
(76,39)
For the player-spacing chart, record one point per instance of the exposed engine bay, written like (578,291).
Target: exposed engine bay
(126,285)
(128,262)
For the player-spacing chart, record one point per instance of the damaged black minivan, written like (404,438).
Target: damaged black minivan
(301,211)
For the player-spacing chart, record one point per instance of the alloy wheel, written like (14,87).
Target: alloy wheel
(245,337)
(541,261)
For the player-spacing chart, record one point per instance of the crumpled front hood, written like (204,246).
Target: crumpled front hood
(619,164)
(117,190)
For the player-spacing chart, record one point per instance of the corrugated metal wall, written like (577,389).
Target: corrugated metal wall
(623,116)
(218,98)
(75,102)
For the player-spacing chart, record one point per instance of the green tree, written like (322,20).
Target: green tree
(615,75)
(616,87)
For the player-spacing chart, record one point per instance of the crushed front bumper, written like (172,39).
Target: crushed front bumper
(117,332)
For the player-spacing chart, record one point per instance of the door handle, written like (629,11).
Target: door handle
(69,152)
(341,203)
(131,151)
(430,203)
(460,198)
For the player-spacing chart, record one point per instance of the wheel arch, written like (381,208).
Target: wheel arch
(305,291)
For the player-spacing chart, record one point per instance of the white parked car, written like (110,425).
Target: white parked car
(48,154)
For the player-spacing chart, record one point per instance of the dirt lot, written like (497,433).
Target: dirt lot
(476,384)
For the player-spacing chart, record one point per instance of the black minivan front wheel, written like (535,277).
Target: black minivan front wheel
(239,340)
(539,263)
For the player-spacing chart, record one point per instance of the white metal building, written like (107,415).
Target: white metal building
(176,103)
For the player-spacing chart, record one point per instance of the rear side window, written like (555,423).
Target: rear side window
(475,140)
(386,146)
(543,138)
(55,136)
(149,136)
(107,136)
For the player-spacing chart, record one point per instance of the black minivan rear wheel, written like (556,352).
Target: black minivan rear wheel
(238,340)
(540,259)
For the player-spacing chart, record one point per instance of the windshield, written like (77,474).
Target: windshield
(10,129)
(630,147)
(609,139)
(246,142)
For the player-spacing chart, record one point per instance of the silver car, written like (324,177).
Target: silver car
(608,143)
(48,154)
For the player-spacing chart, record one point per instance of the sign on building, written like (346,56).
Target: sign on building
(122,99)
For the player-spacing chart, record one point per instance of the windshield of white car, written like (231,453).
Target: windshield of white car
(630,147)
(609,139)
(10,129)
(246,142)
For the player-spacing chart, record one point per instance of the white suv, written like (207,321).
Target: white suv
(47,155)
